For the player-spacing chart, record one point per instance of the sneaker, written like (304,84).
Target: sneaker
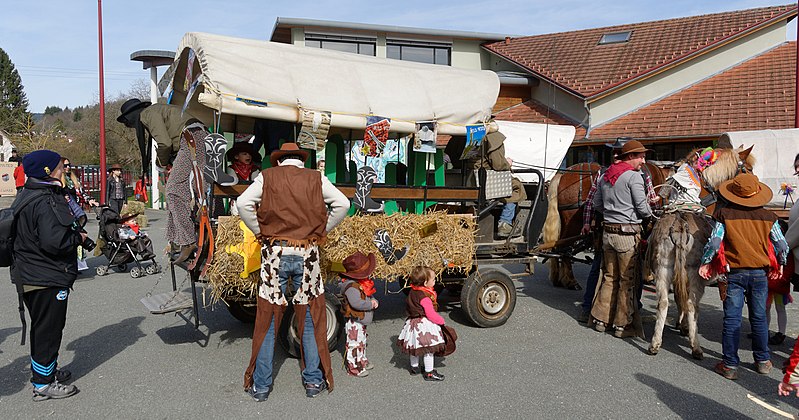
(362,374)
(62,375)
(777,339)
(504,229)
(369,365)
(54,390)
(763,367)
(312,390)
(433,375)
(727,372)
(259,396)
(414,370)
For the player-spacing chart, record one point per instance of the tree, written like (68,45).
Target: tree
(13,102)
(52,110)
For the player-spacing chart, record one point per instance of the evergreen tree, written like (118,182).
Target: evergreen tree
(13,102)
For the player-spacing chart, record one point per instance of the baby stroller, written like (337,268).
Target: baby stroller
(121,244)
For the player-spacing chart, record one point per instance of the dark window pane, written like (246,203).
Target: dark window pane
(340,46)
(393,51)
(313,43)
(442,56)
(417,54)
(366,49)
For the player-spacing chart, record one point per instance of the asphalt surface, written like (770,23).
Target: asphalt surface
(540,364)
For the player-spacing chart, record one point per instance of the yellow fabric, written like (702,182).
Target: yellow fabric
(250,249)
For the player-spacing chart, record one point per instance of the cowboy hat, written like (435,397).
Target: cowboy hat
(287,149)
(633,146)
(746,190)
(115,166)
(239,147)
(619,143)
(129,107)
(359,266)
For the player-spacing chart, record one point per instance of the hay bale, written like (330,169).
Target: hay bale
(133,206)
(142,220)
(451,246)
(225,269)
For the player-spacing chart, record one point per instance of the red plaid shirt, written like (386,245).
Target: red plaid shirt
(588,211)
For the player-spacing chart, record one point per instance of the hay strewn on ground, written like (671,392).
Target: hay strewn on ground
(451,246)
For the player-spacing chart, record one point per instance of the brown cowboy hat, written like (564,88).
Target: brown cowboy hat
(239,147)
(633,146)
(450,336)
(746,190)
(115,166)
(359,266)
(288,149)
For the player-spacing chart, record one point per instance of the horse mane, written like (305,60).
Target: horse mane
(725,167)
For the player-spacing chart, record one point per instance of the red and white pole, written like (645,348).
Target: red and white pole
(103,172)
(796,87)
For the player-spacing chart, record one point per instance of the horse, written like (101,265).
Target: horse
(567,194)
(675,250)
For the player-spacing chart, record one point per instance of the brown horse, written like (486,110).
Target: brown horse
(675,250)
(568,192)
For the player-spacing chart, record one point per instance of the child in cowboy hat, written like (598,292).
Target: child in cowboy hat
(747,230)
(358,308)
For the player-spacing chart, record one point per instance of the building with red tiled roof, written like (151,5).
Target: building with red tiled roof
(656,81)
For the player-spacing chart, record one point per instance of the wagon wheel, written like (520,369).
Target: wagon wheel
(488,297)
(290,340)
(244,311)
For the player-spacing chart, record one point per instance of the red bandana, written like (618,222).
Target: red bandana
(243,170)
(368,286)
(430,292)
(614,172)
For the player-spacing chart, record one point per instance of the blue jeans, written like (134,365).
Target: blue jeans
(291,266)
(591,281)
(752,285)
(508,213)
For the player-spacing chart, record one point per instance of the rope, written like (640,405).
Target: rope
(530,165)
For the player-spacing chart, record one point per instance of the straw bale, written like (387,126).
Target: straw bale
(133,206)
(224,271)
(450,247)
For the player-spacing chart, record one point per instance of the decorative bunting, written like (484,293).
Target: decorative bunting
(474,139)
(376,134)
(315,126)
(425,137)
(189,71)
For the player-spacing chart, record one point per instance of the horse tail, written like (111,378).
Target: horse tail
(681,237)
(552,225)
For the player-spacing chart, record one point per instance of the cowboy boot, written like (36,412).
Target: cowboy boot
(215,145)
(186,251)
(386,247)
(366,176)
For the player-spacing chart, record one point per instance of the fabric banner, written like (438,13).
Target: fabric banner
(538,146)
(190,93)
(189,70)
(425,137)
(395,151)
(474,139)
(313,134)
(376,134)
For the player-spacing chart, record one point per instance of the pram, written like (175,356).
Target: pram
(122,245)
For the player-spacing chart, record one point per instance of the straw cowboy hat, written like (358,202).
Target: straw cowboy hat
(633,146)
(129,107)
(746,190)
(359,266)
(239,147)
(288,149)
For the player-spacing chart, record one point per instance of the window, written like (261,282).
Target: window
(356,45)
(615,38)
(420,52)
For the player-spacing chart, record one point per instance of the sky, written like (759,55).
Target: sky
(54,43)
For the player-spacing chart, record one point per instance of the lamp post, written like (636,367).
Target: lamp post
(102,102)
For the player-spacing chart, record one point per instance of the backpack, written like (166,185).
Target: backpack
(8,229)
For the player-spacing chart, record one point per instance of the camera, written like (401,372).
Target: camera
(88,244)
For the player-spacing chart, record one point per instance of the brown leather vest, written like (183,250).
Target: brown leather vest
(346,309)
(414,303)
(292,207)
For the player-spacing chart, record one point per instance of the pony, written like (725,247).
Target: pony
(567,194)
(675,249)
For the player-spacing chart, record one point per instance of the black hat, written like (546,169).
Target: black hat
(129,107)
(242,146)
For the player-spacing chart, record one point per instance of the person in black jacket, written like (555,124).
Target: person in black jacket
(45,267)
(115,189)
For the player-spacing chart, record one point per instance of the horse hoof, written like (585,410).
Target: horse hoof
(683,332)
(697,354)
(653,351)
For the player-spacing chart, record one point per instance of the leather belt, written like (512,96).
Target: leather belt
(622,228)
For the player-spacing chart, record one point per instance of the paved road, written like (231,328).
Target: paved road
(541,364)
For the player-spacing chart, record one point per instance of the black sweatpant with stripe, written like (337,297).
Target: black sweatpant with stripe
(48,312)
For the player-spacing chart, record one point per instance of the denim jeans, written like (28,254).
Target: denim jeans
(752,285)
(291,267)
(591,281)
(508,213)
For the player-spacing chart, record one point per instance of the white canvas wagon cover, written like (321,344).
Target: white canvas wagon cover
(239,76)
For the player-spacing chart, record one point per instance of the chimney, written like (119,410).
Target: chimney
(507,40)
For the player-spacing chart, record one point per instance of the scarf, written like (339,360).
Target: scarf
(368,286)
(243,170)
(430,292)
(614,172)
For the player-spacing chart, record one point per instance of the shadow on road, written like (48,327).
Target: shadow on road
(103,344)
(6,332)
(688,404)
